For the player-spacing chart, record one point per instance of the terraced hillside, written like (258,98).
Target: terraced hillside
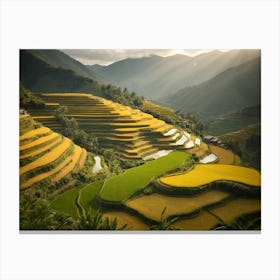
(234,197)
(46,157)
(133,133)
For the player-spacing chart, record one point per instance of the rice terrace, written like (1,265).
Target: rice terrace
(159,140)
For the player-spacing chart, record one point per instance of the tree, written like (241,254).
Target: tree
(36,214)
(93,220)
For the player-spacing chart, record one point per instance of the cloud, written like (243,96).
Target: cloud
(108,56)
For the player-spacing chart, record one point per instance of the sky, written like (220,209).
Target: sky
(109,56)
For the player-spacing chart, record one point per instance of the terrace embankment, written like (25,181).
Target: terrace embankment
(132,133)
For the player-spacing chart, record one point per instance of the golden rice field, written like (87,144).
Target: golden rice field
(33,133)
(225,156)
(208,173)
(132,222)
(48,150)
(38,141)
(52,104)
(237,207)
(204,221)
(70,167)
(228,212)
(152,205)
(51,156)
(47,174)
(116,125)
(200,151)
(83,158)
(42,149)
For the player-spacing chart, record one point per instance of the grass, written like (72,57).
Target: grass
(151,206)
(89,193)
(66,202)
(121,187)
(205,174)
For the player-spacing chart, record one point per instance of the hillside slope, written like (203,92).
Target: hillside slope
(47,159)
(155,76)
(129,131)
(39,76)
(235,121)
(248,142)
(59,59)
(229,91)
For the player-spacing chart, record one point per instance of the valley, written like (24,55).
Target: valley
(94,156)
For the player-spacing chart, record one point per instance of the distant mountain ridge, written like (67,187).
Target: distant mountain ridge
(229,91)
(38,75)
(155,77)
(58,58)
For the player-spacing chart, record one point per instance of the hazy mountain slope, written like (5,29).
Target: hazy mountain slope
(155,77)
(60,59)
(246,142)
(38,75)
(229,91)
(235,121)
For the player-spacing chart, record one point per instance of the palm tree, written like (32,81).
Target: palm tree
(36,214)
(93,220)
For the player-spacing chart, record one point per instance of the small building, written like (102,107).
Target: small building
(208,138)
(22,112)
(212,140)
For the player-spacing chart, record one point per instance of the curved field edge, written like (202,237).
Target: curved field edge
(206,221)
(121,187)
(80,198)
(205,174)
(152,207)
(222,185)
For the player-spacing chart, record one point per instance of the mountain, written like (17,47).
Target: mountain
(155,77)
(247,142)
(59,59)
(227,92)
(234,121)
(38,75)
